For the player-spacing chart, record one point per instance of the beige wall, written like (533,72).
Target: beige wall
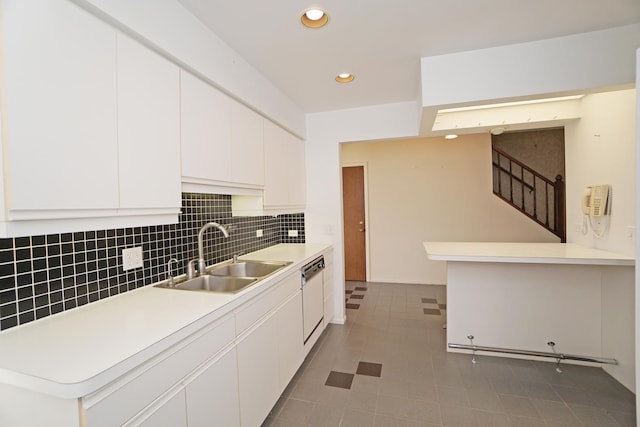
(432,189)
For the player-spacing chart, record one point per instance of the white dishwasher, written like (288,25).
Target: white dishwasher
(312,297)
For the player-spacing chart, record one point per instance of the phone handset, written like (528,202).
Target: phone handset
(599,198)
(595,204)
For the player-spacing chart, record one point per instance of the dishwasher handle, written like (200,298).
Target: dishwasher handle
(311,269)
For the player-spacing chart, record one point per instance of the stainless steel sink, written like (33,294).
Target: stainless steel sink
(216,283)
(247,268)
(230,277)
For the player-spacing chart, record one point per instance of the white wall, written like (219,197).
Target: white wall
(594,61)
(432,189)
(325,132)
(600,149)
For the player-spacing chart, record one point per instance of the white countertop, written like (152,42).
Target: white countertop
(532,253)
(76,352)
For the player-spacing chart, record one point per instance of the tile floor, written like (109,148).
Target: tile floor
(387,366)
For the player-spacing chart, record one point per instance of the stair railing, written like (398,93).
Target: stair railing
(530,192)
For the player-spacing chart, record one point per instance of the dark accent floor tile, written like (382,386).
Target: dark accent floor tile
(356,296)
(353,306)
(370,369)
(429,300)
(339,379)
(431,311)
(360,288)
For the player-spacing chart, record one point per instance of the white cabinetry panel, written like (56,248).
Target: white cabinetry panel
(284,179)
(297,172)
(258,378)
(276,175)
(60,75)
(247,159)
(206,130)
(213,395)
(167,413)
(290,339)
(148,128)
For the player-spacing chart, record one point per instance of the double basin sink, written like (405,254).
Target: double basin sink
(229,277)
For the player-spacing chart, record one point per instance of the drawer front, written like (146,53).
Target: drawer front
(254,310)
(123,399)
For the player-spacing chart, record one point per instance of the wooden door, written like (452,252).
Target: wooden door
(355,264)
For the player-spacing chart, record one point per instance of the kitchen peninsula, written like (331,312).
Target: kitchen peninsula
(524,295)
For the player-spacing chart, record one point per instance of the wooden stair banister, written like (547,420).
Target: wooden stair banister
(530,192)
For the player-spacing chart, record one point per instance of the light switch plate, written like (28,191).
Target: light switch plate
(259,233)
(132,258)
(293,233)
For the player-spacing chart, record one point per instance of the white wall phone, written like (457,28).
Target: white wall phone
(595,200)
(595,205)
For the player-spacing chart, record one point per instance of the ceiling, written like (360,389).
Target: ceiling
(381,41)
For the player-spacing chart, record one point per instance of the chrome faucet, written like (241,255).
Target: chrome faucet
(169,272)
(199,264)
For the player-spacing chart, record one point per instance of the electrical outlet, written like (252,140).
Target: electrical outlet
(259,233)
(132,258)
(293,233)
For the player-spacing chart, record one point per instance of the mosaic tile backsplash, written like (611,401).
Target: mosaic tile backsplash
(44,275)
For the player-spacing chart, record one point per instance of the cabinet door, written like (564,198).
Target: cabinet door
(167,413)
(148,128)
(276,174)
(284,168)
(212,397)
(297,172)
(60,74)
(290,339)
(205,119)
(258,379)
(247,158)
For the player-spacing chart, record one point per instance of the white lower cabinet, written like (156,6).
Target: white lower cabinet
(230,372)
(168,412)
(290,339)
(212,396)
(258,378)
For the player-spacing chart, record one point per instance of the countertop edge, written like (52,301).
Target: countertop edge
(496,252)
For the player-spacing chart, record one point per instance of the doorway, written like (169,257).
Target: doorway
(354,220)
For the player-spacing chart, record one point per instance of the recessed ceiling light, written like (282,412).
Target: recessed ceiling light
(314,18)
(344,78)
(451,136)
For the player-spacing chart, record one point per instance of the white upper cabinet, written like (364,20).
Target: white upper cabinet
(205,130)
(221,138)
(60,117)
(90,124)
(284,174)
(148,128)
(247,148)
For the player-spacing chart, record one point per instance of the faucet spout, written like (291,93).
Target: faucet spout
(225,233)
